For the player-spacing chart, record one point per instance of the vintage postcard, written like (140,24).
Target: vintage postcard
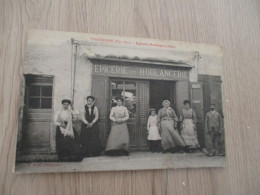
(93,102)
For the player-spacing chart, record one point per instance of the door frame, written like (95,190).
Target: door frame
(137,119)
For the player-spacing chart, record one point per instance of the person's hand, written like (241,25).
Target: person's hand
(118,121)
(63,125)
(90,125)
(175,125)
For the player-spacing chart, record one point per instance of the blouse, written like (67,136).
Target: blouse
(167,114)
(95,112)
(61,117)
(152,121)
(119,113)
(188,114)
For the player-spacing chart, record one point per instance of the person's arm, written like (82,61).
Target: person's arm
(181,116)
(126,115)
(148,123)
(56,119)
(194,117)
(83,118)
(175,116)
(159,119)
(220,122)
(111,116)
(206,124)
(96,115)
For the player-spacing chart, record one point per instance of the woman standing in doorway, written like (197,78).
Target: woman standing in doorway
(188,132)
(170,138)
(118,140)
(89,137)
(65,134)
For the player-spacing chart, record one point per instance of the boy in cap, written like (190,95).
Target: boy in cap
(213,130)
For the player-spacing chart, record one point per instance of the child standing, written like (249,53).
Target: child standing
(154,137)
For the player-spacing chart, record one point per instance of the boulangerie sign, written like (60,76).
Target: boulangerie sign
(94,102)
(140,72)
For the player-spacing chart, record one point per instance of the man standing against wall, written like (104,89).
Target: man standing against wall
(213,130)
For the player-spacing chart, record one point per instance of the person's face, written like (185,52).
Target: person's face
(212,108)
(187,105)
(153,113)
(166,104)
(65,105)
(90,101)
(119,102)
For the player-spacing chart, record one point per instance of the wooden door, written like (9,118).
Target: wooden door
(100,91)
(212,93)
(144,112)
(197,105)
(37,114)
(136,100)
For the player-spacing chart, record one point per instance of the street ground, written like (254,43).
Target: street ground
(135,161)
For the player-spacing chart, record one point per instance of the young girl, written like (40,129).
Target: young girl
(154,137)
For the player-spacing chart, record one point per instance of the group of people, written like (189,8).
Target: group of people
(162,131)
(73,147)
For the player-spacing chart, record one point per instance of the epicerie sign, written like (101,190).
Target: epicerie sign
(140,72)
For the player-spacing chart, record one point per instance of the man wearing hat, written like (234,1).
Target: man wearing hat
(213,130)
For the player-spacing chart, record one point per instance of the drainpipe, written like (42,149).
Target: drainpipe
(73,67)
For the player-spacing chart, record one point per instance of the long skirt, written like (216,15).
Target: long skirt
(90,141)
(67,147)
(170,136)
(118,138)
(188,133)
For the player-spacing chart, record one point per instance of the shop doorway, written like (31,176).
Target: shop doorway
(159,91)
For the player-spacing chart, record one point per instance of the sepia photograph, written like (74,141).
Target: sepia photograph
(92,102)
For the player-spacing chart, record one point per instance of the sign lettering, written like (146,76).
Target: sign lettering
(140,72)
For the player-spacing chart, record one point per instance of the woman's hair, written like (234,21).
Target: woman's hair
(119,98)
(91,97)
(151,110)
(166,101)
(186,102)
(65,101)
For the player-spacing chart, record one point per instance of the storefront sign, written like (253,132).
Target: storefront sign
(140,72)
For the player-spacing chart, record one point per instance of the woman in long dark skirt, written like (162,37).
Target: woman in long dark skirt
(66,136)
(89,137)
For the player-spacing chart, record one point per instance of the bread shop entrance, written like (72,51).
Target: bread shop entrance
(142,87)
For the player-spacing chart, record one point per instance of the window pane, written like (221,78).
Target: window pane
(34,91)
(117,91)
(46,103)
(47,91)
(34,103)
(130,98)
(130,85)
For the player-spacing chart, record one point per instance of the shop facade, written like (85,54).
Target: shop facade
(143,83)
